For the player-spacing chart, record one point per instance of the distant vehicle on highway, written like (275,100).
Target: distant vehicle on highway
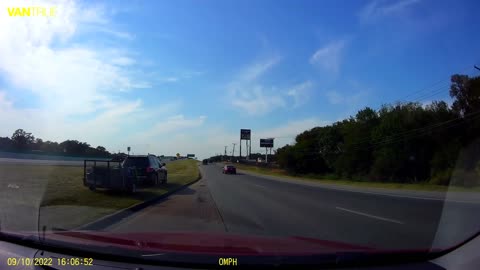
(205,162)
(229,169)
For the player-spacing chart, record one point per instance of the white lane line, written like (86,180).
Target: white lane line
(259,186)
(370,216)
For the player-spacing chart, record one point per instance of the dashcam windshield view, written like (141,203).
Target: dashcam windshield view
(230,133)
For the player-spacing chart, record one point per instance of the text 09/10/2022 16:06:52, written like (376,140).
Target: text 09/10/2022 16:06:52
(52,262)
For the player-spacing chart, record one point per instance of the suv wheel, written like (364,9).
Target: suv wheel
(164,181)
(155,179)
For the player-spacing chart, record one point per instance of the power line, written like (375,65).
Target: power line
(427,88)
(411,133)
(434,93)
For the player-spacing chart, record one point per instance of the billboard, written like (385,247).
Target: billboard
(266,142)
(190,155)
(245,134)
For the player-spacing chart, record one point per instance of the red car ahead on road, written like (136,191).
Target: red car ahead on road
(229,169)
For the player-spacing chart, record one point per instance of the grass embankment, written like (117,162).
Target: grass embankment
(324,180)
(65,186)
(66,203)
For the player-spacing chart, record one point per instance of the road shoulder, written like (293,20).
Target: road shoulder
(192,209)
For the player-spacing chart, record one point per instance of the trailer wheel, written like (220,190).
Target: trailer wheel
(92,188)
(132,188)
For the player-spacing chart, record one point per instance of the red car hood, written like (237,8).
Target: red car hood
(206,243)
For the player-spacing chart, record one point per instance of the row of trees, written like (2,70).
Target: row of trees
(25,142)
(403,142)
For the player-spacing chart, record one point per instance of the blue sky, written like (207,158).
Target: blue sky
(185,76)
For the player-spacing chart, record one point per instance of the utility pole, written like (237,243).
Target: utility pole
(476,67)
(233,152)
(225,150)
(250,149)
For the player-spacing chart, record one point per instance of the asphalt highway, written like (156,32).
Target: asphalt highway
(247,204)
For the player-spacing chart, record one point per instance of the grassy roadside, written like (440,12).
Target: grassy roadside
(323,180)
(65,202)
(65,187)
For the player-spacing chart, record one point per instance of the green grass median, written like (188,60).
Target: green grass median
(366,184)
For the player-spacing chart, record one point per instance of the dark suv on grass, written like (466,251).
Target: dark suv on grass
(148,169)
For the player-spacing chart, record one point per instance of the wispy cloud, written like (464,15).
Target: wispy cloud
(247,93)
(180,76)
(257,101)
(170,125)
(300,93)
(377,9)
(257,69)
(329,57)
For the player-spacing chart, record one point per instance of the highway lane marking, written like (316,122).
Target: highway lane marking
(259,186)
(370,216)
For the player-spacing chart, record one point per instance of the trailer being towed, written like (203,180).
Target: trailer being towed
(109,175)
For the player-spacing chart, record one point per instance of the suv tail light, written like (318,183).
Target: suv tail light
(149,169)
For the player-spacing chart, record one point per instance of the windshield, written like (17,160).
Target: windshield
(136,161)
(287,128)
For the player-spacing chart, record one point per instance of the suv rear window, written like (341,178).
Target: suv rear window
(136,161)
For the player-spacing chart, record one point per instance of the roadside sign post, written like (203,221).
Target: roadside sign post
(267,143)
(245,134)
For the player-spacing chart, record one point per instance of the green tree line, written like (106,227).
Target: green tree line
(402,142)
(24,142)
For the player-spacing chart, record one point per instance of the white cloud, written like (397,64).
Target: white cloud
(115,33)
(329,57)
(377,9)
(249,95)
(74,88)
(300,93)
(175,123)
(179,76)
(167,130)
(77,75)
(257,102)
(256,70)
